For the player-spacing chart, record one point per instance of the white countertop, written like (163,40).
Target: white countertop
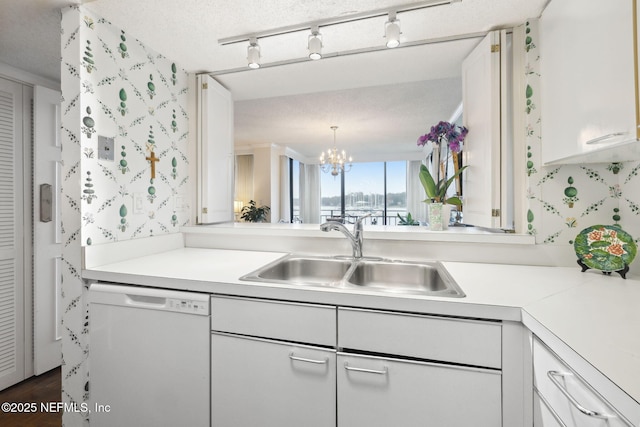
(488,295)
(600,320)
(597,316)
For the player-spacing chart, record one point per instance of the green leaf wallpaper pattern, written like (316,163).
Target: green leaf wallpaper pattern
(138,98)
(74,352)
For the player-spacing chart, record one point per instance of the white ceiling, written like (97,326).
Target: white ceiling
(381,101)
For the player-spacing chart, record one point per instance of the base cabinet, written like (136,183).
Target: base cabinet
(257,382)
(562,397)
(376,391)
(286,364)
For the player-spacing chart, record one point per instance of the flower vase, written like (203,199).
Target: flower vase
(436,217)
(446,216)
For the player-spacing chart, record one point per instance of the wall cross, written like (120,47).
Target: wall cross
(153,159)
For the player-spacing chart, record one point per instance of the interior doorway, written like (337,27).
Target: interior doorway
(29,274)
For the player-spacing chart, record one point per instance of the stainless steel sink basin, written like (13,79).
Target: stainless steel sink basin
(303,270)
(384,276)
(404,277)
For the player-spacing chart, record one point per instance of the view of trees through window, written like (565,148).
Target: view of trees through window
(378,188)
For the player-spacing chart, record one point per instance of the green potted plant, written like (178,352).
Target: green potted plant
(407,220)
(254,213)
(437,191)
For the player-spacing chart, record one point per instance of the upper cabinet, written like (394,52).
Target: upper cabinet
(589,94)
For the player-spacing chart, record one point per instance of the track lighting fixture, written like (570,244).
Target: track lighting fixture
(253,53)
(392,31)
(315,44)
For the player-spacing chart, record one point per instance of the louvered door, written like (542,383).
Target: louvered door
(11,234)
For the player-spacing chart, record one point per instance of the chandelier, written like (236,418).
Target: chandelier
(334,161)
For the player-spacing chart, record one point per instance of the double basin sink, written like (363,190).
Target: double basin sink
(378,275)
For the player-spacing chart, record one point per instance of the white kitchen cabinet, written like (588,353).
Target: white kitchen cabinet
(564,397)
(386,375)
(258,382)
(588,89)
(280,363)
(384,391)
(453,340)
(286,321)
(261,374)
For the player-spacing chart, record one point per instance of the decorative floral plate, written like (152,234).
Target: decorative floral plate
(605,247)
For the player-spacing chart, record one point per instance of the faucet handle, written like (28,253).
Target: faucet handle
(361,218)
(358,223)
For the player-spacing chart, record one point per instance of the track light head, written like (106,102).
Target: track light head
(315,44)
(253,54)
(392,31)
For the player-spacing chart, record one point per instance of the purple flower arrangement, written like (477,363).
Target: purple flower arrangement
(444,133)
(449,133)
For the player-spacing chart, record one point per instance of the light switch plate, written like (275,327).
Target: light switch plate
(179,204)
(138,203)
(105,148)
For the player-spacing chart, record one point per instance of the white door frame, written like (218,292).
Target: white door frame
(47,232)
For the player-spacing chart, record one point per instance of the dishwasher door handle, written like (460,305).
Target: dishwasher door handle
(145,301)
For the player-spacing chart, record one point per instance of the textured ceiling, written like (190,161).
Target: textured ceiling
(380,100)
(384,126)
(30,36)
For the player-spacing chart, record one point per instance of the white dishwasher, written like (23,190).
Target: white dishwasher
(149,359)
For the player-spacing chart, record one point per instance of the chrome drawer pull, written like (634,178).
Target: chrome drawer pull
(553,377)
(385,370)
(604,138)
(303,359)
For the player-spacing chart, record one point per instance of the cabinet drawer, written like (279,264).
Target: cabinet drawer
(305,323)
(468,342)
(381,392)
(574,401)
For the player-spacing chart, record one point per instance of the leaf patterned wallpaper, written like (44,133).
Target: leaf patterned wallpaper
(124,109)
(564,200)
(137,98)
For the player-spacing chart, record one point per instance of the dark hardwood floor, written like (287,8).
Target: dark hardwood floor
(46,389)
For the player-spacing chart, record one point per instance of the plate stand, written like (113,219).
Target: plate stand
(622,272)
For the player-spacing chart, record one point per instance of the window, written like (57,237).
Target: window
(365,192)
(331,197)
(396,190)
(378,188)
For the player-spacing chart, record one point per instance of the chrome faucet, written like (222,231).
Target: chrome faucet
(356,238)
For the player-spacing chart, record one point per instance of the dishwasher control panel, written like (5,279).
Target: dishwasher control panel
(188,306)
